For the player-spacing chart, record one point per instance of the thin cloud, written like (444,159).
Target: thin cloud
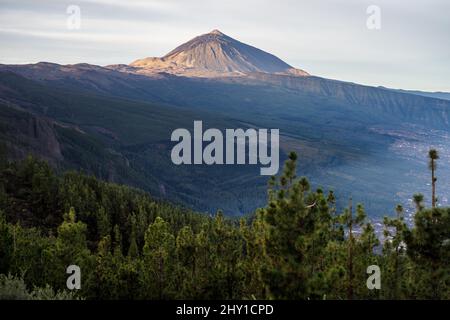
(325,37)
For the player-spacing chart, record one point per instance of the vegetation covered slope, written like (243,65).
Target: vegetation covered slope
(344,134)
(130,246)
(118,140)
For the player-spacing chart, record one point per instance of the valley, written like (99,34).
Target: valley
(115,122)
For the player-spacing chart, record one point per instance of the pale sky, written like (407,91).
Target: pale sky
(327,38)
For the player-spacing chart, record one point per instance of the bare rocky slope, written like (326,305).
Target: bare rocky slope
(211,55)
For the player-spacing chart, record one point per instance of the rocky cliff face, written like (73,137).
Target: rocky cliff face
(23,133)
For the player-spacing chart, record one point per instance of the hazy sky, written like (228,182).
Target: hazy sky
(327,38)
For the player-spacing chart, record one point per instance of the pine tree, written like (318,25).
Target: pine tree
(105,282)
(418,201)
(103,223)
(428,247)
(254,256)
(71,249)
(291,219)
(350,222)
(433,156)
(187,269)
(394,250)
(158,258)
(6,244)
(71,241)
(133,250)
(117,242)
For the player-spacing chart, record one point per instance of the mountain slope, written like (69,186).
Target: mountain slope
(436,95)
(120,141)
(215,54)
(358,140)
(380,103)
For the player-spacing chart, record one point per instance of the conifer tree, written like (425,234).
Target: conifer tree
(418,201)
(133,251)
(254,256)
(71,249)
(350,222)
(158,257)
(289,224)
(394,254)
(428,247)
(433,156)
(6,244)
(187,269)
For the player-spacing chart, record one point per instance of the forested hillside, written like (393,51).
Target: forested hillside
(131,246)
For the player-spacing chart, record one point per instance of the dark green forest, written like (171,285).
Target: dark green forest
(130,245)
